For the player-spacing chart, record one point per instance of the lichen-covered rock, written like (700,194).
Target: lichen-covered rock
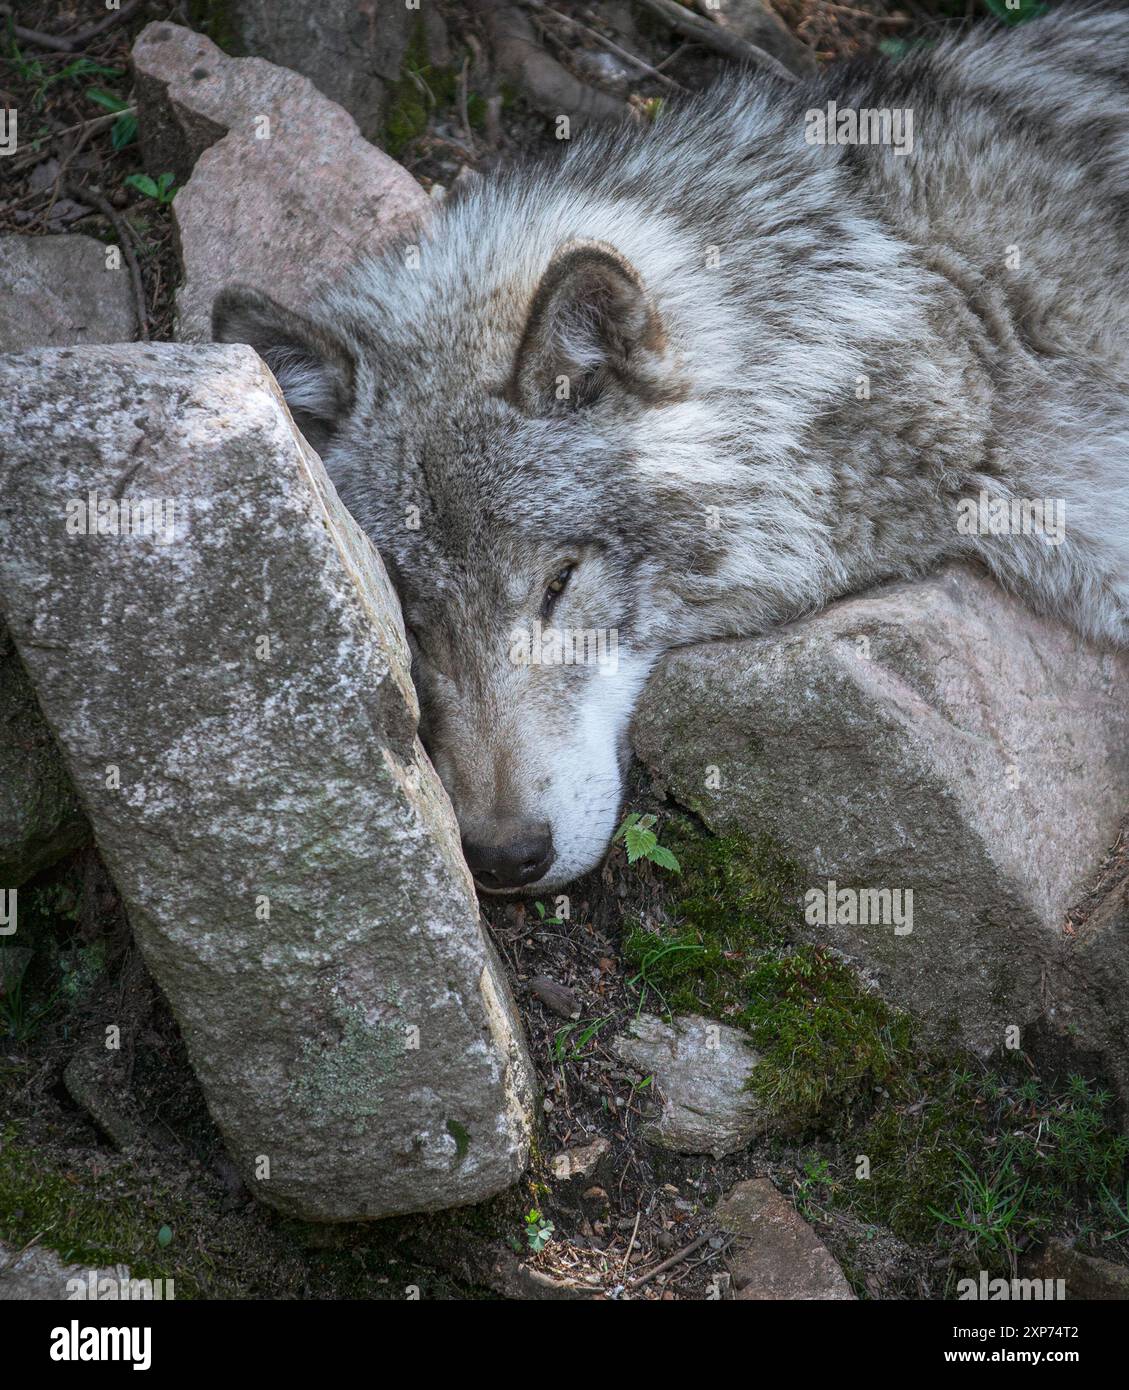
(933,739)
(60,290)
(40,818)
(221,658)
(776,1254)
(699,1070)
(280,191)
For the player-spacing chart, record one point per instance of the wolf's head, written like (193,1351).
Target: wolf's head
(579,434)
(484,432)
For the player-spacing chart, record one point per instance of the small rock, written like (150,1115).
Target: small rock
(700,1069)
(1084,1276)
(776,1254)
(56,291)
(39,1274)
(579,1162)
(556,997)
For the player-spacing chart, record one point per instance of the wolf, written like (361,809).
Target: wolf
(700,377)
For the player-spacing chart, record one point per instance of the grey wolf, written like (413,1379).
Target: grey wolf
(700,378)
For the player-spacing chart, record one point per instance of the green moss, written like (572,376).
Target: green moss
(975,1163)
(459,1134)
(823,1038)
(724,951)
(423,87)
(89,1216)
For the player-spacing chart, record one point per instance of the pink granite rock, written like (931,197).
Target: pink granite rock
(279,190)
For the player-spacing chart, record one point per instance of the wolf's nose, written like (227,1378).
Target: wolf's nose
(517,855)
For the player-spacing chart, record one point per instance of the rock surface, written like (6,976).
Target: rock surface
(934,737)
(57,290)
(699,1068)
(284,192)
(40,818)
(1084,1276)
(39,1274)
(776,1254)
(230,689)
(351,52)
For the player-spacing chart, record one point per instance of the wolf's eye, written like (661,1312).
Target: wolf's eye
(554,589)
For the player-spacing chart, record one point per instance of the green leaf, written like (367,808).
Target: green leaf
(106,99)
(661,856)
(144,184)
(640,843)
(164,1237)
(123,132)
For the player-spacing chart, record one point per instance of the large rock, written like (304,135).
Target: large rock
(40,818)
(775,1253)
(59,290)
(280,191)
(934,737)
(231,692)
(700,1069)
(352,52)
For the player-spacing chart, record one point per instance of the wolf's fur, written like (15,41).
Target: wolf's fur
(717,468)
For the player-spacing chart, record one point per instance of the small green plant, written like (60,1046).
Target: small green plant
(638,835)
(653,959)
(34,71)
(816,1183)
(19,1019)
(565,1050)
(1118,1208)
(124,130)
(547,921)
(161,189)
(986,1208)
(538,1230)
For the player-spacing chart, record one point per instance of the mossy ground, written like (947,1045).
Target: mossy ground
(972,1160)
(725,950)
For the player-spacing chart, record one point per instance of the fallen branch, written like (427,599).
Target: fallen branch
(723,41)
(548,86)
(71,43)
(609,44)
(669,1264)
(89,197)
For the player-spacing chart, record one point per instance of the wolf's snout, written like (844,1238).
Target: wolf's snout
(512,855)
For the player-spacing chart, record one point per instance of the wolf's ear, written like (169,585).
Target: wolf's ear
(312,366)
(591,326)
